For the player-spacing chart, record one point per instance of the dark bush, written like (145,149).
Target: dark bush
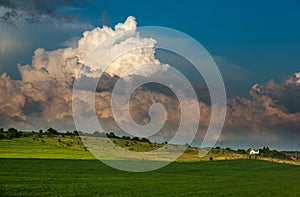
(13,133)
(241,151)
(2,136)
(51,132)
(145,140)
(126,138)
(136,139)
(75,133)
(111,135)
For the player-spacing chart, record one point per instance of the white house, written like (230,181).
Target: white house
(253,152)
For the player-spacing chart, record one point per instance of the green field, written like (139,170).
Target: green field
(55,167)
(42,177)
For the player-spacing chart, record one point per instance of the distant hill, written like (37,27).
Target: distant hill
(52,144)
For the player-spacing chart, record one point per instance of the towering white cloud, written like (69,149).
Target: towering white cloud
(44,95)
(63,64)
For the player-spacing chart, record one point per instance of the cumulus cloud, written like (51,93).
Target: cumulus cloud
(284,94)
(45,90)
(43,97)
(63,64)
(272,115)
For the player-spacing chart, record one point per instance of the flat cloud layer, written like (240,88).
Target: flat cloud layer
(43,98)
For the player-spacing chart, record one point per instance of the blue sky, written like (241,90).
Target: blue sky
(251,42)
(262,37)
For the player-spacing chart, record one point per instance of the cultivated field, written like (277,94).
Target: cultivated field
(63,168)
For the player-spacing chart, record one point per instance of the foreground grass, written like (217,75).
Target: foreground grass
(42,177)
(60,166)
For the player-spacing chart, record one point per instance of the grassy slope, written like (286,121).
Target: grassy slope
(45,148)
(67,147)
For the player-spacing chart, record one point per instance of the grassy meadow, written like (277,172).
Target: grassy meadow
(60,166)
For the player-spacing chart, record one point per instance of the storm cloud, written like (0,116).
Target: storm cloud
(43,98)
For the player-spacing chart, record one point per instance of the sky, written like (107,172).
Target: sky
(262,38)
(252,42)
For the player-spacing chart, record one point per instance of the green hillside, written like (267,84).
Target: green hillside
(35,164)
(54,145)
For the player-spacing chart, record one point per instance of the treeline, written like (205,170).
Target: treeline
(112,135)
(14,133)
(263,152)
(266,152)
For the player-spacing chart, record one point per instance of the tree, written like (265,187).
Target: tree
(145,140)
(51,132)
(126,137)
(13,133)
(241,151)
(111,135)
(75,133)
(135,138)
(2,136)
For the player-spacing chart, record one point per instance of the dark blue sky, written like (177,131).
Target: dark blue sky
(259,38)
(262,37)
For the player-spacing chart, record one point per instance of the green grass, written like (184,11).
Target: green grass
(45,148)
(42,177)
(60,166)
